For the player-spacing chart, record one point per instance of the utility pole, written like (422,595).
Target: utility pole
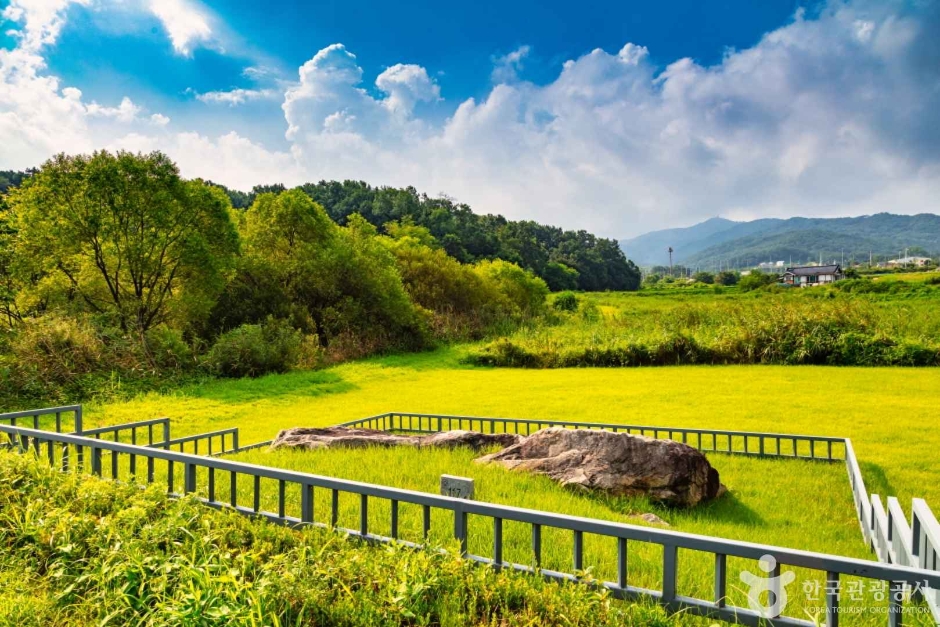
(670,261)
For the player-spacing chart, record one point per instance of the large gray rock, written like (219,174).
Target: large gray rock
(343,437)
(615,463)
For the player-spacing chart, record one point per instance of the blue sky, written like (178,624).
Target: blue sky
(615,117)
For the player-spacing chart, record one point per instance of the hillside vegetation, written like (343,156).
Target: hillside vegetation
(115,271)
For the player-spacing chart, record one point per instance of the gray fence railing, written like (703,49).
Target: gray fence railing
(213,442)
(159,427)
(814,447)
(200,476)
(886,532)
(34,417)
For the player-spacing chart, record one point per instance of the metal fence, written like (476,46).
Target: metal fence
(214,442)
(886,532)
(35,417)
(813,447)
(201,474)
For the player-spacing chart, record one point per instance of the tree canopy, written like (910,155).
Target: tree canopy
(122,236)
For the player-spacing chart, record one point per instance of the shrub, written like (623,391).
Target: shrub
(566,301)
(704,277)
(525,291)
(463,304)
(167,348)
(252,350)
(727,277)
(756,280)
(57,349)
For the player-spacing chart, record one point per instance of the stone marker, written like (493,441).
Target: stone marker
(456,487)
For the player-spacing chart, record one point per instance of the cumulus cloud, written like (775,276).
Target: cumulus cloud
(834,114)
(405,86)
(39,116)
(185,22)
(239,96)
(41,19)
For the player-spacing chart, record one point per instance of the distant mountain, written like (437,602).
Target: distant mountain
(796,240)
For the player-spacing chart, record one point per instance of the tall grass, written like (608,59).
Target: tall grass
(80,551)
(818,328)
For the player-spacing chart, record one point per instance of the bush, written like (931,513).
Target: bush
(704,277)
(525,291)
(756,280)
(463,304)
(167,348)
(252,350)
(566,301)
(727,277)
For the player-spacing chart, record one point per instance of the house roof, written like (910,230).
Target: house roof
(814,270)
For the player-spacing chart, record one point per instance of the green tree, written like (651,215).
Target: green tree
(560,277)
(727,277)
(123,236)
(326,279)
(704,277)
(756,280)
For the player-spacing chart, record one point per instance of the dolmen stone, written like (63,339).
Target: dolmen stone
(619,464)
(308,438)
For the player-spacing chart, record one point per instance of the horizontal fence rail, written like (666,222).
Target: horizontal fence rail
(202,477)
(213,443)
(822,448)
(35,417)
(159,427)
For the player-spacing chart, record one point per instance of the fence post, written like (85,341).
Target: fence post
(460,527)
(96,461)
(670,560)
(189,481)
(234,442)
(166,431)
(78,419)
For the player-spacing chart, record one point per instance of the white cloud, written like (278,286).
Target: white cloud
(839,114)
(158,119)
(38,116)
(406,85)
(238,96)
(42,20)
(506,68)
(185,22)
(127,111)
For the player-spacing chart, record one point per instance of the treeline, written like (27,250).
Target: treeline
(566,260)
(113,266)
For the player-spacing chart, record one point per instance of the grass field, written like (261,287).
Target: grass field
(791,503)
(866,323)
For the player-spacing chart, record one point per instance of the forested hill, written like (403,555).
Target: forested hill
(796,240)
(565,259)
